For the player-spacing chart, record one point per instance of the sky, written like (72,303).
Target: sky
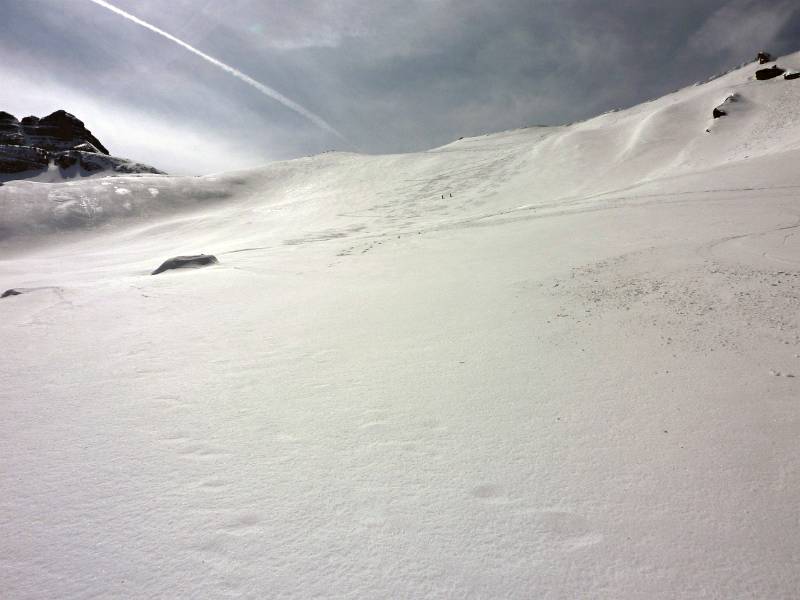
(386,76)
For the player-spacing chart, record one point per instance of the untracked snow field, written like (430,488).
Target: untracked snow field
(551,363)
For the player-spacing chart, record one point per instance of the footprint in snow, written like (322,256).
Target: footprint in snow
(493,494)
(242,524)
(374,426)
(569,530)
(201,451)
(214,484)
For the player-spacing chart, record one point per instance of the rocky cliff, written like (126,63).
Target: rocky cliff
(31,145)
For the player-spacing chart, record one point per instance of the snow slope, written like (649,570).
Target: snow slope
(573,378)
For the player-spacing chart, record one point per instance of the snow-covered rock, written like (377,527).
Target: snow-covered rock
(27,147)
(722,109)
(17,159)
(55,132)
(186,262)
(92,162)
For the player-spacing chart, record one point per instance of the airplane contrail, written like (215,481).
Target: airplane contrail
(266,90)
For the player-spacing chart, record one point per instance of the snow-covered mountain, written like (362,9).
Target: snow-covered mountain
(548,363)
(54,148)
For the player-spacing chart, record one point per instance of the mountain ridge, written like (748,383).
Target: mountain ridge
(31,146)
(667,137)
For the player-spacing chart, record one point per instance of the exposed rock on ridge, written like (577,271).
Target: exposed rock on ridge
(55,132)
(769,73)
(33,143)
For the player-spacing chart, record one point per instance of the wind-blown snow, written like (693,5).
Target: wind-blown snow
(548,363)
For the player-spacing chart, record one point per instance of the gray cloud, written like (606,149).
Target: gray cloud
(391,75)
(741,20)
(264,89)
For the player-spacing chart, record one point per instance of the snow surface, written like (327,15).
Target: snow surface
(574,378)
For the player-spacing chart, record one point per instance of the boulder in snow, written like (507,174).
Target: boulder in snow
(793,75)
(11,292)
(769,73)
(184,262)
(763,57)
(720,110)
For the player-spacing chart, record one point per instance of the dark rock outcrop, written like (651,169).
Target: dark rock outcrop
(93,163)
(763,57)
(769,73)
(795,75)
(58,131)
(55,132)
(31,144)
(10,130)
(66,159)
(721,111)
(184,262)
(16,159)
(11,292)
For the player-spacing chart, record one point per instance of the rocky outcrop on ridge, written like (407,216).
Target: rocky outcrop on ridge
(769,73)
(763,57)
(17,159)
(55,132)
(32,144)
(10,130)
(722,109)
